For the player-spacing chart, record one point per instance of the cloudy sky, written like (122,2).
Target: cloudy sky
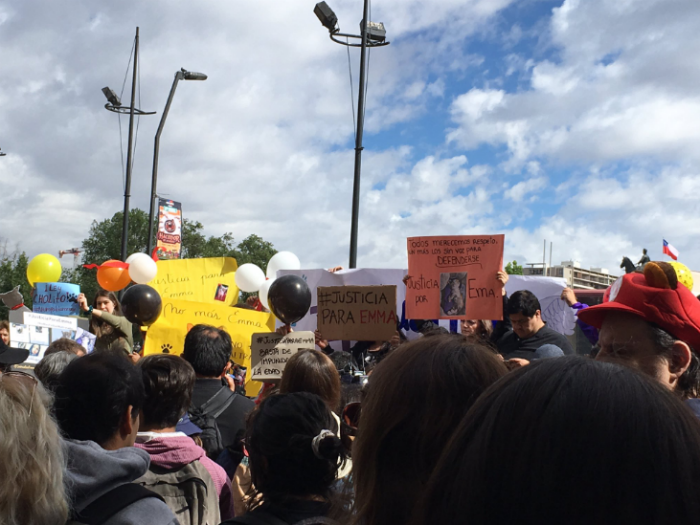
(573,121)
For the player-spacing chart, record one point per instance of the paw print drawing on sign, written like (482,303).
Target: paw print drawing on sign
(166,348)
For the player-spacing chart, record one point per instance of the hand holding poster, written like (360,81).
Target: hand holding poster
(271,351)
(56,299)
(454,277)
(357,313)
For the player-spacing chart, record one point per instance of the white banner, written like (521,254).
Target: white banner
(547,290)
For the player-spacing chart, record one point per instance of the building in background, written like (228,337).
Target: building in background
(576,277)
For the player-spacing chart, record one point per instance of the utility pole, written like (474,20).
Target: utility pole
(127,186)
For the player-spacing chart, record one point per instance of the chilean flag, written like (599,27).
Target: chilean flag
(670,251)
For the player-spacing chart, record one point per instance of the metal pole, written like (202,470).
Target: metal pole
(154,179)
(550,253)
(358,143)
(127,186)
(544,259)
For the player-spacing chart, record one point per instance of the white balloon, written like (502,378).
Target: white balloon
(142,269)
(133,256)
(262,293)
(249,278)
(282,261)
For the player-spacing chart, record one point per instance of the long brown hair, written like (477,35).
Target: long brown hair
(415,399)
(312,371)
(98,326)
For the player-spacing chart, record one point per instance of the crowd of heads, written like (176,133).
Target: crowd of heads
(443,429)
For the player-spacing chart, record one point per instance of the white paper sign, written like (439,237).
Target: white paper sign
(271,351)
(50,321)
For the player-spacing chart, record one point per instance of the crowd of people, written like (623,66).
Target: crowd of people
(497,424)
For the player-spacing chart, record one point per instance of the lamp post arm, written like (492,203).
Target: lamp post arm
(154,178)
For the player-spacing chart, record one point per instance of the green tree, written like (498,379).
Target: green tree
(104,243)
(514,268)
(253,249)
(195,244)
(13,272)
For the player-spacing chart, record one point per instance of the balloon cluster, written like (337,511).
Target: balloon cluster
(288,297)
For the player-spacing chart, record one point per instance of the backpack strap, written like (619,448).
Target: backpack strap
(217,403)
(109,504)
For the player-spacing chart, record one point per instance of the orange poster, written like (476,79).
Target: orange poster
(454,277)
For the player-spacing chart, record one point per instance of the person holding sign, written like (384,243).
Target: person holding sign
(112,329)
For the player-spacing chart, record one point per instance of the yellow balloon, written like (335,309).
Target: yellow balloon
(44,268)
(684,274)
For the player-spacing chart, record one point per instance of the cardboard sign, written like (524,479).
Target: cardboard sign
(454,277)
(209,280)
(270,352)
(56,299)
(357,313)
(167,334)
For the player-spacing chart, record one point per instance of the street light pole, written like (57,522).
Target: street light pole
(127,185)
(371,35)
(180,75)
(358,143)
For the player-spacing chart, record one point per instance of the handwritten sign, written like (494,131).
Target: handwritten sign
(167,334)
(357,313)
(270,352)
(56,299)
(209,280)
(454,277)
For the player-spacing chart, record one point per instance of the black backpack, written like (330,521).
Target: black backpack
(111,503)
(205,418)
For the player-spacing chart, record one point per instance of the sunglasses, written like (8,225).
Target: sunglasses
(22,376)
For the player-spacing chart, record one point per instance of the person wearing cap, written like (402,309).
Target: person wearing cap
(652,323)
(11,356)
(529,331)
(169,381)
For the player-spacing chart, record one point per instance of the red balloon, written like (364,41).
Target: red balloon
(113,279)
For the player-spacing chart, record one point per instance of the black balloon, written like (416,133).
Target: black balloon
(141,305)
(289,298)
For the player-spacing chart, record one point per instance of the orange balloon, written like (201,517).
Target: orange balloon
(113,279)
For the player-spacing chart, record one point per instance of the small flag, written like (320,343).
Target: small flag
(670,251)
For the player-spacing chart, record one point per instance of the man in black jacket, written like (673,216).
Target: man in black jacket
(529,331)
(208,350)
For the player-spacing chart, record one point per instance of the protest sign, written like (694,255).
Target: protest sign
(167,334)
(35,332)
(454,277)
(357,313)
(210,280)
(271,351)
(56,298)
(169,238)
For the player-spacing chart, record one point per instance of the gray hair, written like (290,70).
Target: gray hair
(688,383)
(51,366)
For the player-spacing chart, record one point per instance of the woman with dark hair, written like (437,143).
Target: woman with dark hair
(570,440)
(415,399)
(314,372)
(294,454)
(111,328)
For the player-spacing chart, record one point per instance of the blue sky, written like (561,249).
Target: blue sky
(573,121)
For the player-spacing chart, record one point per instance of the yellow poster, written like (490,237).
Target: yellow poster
(167,334)
(202,280)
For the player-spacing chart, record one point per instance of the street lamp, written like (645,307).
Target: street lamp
(115,105)
(372,34)
(180,75)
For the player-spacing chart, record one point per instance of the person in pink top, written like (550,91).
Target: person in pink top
(164,428)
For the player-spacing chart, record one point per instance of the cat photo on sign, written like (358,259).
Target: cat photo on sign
(453,294)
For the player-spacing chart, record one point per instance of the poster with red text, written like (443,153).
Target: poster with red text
(454,277)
